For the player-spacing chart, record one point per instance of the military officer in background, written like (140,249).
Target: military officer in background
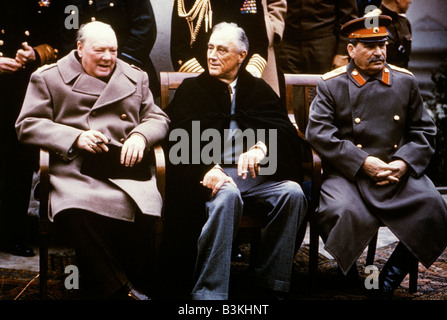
(27,34)
(134,24)
(376,139)
(400,38)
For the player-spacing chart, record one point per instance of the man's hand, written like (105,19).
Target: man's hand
(382,172)
(25,55)
(92,141)
(249,162)
(215,179)
(339,61)
(133,150)
(8,65)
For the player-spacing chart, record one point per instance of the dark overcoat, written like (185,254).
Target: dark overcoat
(355,116)
(206,99)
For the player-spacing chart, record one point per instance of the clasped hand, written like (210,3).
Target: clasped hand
(248,162)
(384,173)
(132,151)
(23,56)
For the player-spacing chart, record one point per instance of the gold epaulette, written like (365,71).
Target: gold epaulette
(334,73)
(191,65)
(258,62)
(403,70)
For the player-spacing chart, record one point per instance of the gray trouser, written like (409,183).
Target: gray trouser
(286,206)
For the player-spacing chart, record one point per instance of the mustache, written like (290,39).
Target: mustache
(377,58)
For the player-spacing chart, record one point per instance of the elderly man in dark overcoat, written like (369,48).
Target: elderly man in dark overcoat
(210,181)
(96,116)
(376,139)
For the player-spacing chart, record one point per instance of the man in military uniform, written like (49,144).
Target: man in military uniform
(26,37)
(399,42)
(376,139)
(134,24)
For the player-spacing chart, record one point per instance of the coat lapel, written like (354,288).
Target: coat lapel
(120,86)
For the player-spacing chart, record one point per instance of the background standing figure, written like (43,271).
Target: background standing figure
(27,41)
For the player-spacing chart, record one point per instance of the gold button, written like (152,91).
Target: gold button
(90,2)
(3,31)
(112,4)
(395,147)
(123,116)
(359,146)
(357,120)
(93,19)
(396,117)
(122,140)
(27,33)
(1,42)
(1,54)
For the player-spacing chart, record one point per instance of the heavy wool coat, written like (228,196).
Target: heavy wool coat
(355,116)
(62,101)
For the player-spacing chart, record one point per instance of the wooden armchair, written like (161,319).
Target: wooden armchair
(45,226)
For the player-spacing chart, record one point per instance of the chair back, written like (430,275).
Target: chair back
(169,82)
(300,91)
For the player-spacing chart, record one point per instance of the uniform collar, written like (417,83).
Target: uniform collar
(360,78)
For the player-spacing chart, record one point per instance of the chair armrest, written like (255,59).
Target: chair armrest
(316,177)
(160,169)
(44,183)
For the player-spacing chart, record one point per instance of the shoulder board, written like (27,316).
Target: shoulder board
(135,67)
(403,70)
(46,67)
(334,73)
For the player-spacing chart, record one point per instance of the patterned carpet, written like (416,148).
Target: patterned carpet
(432,282)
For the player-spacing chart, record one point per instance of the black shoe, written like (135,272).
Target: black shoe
(134,294)
(19,249)
(129,293)
(394,271)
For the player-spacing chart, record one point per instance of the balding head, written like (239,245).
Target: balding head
(97,48)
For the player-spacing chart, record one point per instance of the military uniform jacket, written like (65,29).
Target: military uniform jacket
(24,21)
(62,101)
(316,19)
(352,117)
(398,49)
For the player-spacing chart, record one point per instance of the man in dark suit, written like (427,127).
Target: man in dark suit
(376,139)
(253,158)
